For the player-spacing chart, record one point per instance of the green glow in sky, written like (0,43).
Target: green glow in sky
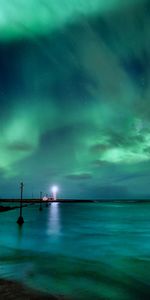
(74,92)
(21,18)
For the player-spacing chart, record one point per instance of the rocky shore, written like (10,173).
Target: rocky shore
(6,208)
(10,290)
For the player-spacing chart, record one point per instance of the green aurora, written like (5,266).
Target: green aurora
(74,96)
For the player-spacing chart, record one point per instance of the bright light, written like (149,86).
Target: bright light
(54,191)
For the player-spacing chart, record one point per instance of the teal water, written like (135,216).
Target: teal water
(83,251)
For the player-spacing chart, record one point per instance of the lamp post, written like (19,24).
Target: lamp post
(20,220)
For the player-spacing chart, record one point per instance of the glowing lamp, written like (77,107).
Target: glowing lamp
(54,192)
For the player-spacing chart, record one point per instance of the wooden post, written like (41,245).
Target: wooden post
(20,220)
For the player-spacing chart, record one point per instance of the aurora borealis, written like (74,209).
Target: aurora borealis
(74,97)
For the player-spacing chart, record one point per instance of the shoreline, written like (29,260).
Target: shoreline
(12,290)
(7,208)
(35,201)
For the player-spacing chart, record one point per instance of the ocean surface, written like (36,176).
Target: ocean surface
(81,251)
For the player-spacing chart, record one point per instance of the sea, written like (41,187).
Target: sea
(79,250)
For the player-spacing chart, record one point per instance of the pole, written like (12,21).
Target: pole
(21,187)
(20,220)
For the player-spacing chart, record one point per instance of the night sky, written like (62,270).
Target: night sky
(74,98)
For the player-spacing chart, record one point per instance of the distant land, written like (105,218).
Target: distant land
(37,200)
(25,202)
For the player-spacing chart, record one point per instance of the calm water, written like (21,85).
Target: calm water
(83,251)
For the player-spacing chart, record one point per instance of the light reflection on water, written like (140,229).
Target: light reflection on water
(53,219)
(85,251)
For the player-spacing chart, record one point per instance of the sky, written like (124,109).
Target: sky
(74,98)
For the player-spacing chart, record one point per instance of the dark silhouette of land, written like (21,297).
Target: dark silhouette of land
(11,290)
(6,208)
(37,200)
(26,202)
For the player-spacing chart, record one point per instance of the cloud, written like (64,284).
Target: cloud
(99,148)
(99,163)
(82,176)
(20,146)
